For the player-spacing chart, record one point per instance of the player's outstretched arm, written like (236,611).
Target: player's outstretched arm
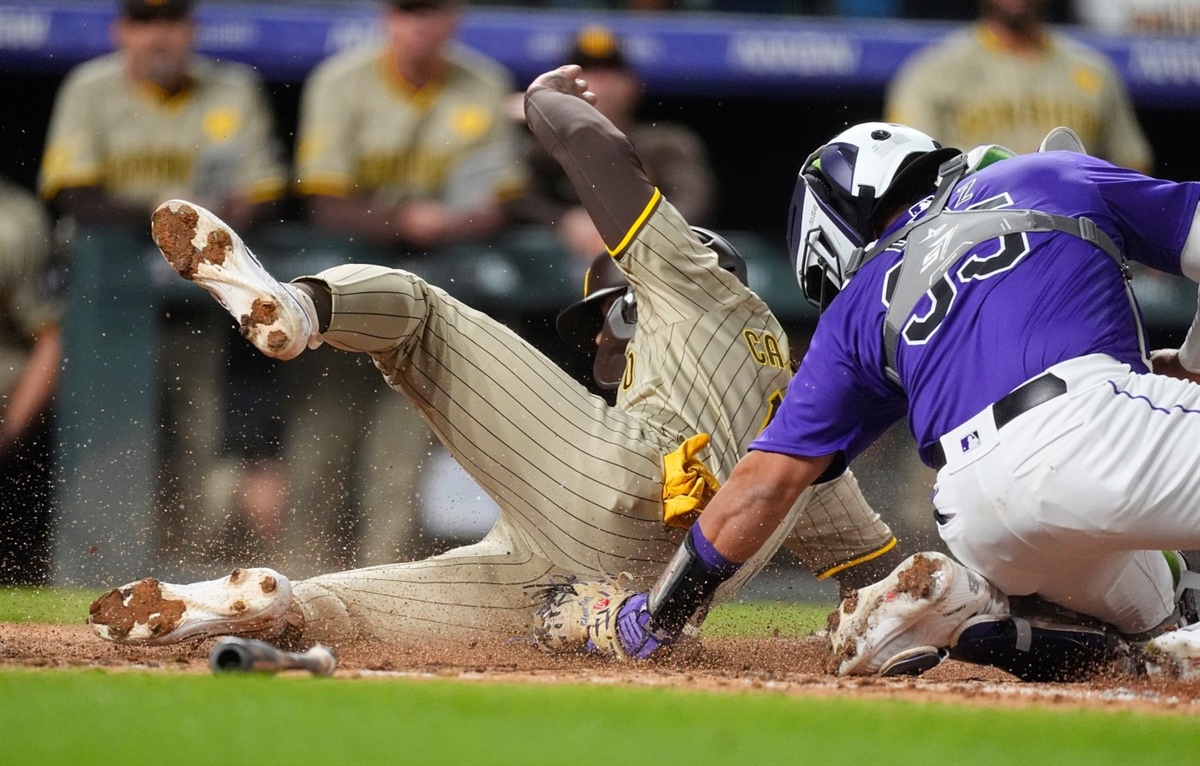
(597,157)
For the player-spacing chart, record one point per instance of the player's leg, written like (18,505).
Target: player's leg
(488,590)
(203,249)
(1081,495)
(839,535)
(583,480)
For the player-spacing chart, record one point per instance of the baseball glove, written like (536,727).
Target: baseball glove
(581,616)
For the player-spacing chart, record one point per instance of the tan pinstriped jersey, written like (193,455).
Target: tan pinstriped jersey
(139,144)
(365,130)
(708,356)
(966,91)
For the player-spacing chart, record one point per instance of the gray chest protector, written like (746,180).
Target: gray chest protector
(934,243)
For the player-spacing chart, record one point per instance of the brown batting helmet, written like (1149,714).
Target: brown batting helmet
(586,326)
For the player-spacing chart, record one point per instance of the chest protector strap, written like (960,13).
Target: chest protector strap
(939,238)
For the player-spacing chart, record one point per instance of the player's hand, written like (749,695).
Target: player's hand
(565,79)
(1165,361)
(602,618)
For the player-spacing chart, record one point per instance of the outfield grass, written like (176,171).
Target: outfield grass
(94,716)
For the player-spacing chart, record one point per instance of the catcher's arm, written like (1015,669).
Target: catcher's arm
(1185,362)
(735,524)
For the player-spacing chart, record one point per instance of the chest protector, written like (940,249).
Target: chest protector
(934,242)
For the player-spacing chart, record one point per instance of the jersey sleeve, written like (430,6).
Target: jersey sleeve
(325,142)
(263,177)
(506,176)
(25,247)
(674,277)
(1157,220)
(74,155)
(1123,141)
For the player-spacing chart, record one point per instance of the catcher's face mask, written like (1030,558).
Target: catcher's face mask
(843,189)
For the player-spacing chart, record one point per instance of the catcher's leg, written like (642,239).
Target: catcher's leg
(249,602)
(906,622)
(481,591)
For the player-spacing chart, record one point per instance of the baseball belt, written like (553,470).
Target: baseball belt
(1020,400)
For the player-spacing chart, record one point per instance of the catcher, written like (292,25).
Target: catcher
(698,362)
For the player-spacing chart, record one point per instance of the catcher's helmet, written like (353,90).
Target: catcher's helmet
(586,326)
(846,191)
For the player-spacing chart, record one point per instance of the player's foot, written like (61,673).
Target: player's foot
(1175,654)
(247,602)
(903,624)
(277,318)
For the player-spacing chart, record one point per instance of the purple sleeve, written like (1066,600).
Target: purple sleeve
(1153,216)
(834,404)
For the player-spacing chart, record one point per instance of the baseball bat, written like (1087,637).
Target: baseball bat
(247,655)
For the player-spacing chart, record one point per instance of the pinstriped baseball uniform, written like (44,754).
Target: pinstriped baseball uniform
(579,483)
(968,90)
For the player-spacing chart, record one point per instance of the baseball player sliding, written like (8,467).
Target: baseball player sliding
(583,487)
(984,296)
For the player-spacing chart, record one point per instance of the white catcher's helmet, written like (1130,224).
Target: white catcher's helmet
(844,188)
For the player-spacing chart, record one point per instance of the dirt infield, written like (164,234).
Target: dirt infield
(776,666)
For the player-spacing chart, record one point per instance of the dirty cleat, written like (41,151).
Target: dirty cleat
(248,601)
(1175,654)
(277,318)
(902,625)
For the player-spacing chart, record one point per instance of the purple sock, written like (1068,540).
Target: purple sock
(709,556)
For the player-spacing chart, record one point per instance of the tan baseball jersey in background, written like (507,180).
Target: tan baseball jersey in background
(140,144)
(365,130)
(967,90)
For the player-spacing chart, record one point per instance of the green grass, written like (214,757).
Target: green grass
(99,717)
(94,716)
(57,606)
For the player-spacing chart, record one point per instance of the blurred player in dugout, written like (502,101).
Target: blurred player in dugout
(132,128)
(1009,80)
(402,144)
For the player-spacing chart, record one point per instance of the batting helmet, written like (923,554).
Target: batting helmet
(587,327)
(846,191)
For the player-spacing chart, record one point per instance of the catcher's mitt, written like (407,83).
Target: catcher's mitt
(581,616)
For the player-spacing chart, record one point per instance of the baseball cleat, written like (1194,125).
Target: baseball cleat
(1175,654)
(152,612)
(902,625)
(277,318)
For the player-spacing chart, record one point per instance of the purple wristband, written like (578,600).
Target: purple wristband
(710,557)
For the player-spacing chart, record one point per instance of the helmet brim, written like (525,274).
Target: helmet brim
(579,323)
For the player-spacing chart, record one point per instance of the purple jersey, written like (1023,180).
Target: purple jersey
(1009,308)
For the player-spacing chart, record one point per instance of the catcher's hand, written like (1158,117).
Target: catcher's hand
(603,618)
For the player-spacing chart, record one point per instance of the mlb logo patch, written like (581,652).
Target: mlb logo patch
(969,442)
